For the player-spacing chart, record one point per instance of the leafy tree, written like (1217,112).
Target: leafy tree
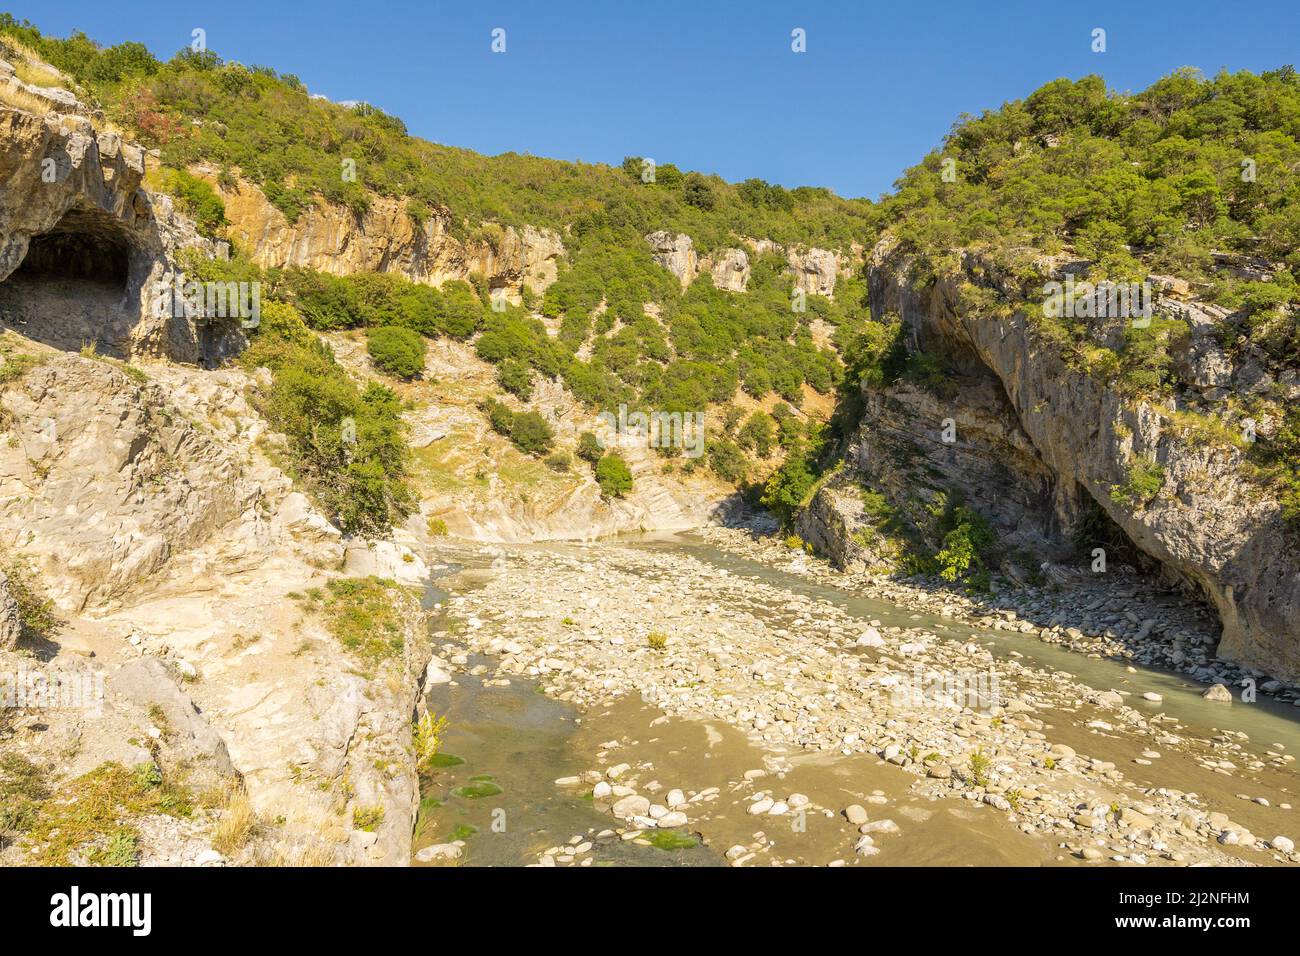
(589,448)
(696,192)
(758,434)
(727,460)
(396,350)
(614,476)
(966,543)
(499,416)
(515,377)
(530,433)
(790,484)
(198,200)
(346,444)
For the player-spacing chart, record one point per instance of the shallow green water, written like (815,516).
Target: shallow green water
(502,799)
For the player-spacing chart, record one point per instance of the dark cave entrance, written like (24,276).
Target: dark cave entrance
(81,246)
(72,289)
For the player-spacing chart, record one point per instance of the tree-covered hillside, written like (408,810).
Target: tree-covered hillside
(700,347)
(1167,175)
(1193,178)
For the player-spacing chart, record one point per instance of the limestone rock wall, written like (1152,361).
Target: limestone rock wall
(62,175)
(386,238)
(1210,524)
(814,270)
(101,481)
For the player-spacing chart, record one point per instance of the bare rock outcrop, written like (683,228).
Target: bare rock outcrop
(676,253)
(102,481)
(11,623)
(1210,523)
(76,227)
(332,238)
(729,268)
(815,270)
(188,745)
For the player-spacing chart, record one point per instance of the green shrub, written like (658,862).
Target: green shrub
(197,199)
(966,543)
(14,366)
(531,434)
(528,431)
(368,818)
(1143,482)
(364,616)
(1289,498)
(589,448)
(1145,360)
(326,302)
(758,434)
(346,444)
(790,485)
(426,737)
(396,350)
(614,476)
(461,312)
(499,416)
(727,460)
(516,377)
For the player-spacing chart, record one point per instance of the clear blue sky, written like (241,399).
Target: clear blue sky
(711,86)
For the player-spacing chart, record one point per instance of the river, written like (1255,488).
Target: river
(509,743)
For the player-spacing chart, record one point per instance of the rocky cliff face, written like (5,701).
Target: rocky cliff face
(900,449)
(1049,441)
(103,481)
(142,502)
(387,238)
(815,271)
(75,226)
(173,548)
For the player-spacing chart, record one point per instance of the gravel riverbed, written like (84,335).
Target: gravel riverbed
(798,676)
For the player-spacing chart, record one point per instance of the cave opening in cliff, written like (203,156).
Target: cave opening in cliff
(1096,529)
(72,289)
(83,245)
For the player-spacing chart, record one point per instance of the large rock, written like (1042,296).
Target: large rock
(189,746)
(676,253)
(815,270)
(102,481)
(384,559)
(1211,524)
(729,268)
(901,451)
